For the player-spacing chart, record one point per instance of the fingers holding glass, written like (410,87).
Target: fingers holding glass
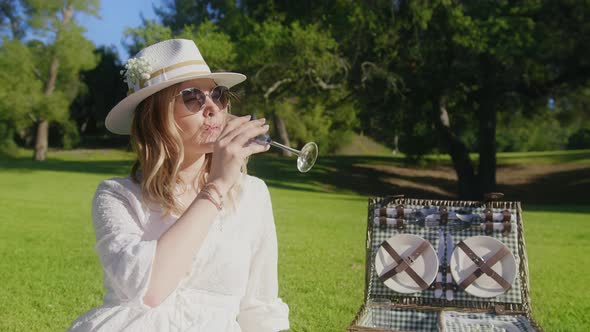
(247,136)
(233,123)
(250,149)
(244,127)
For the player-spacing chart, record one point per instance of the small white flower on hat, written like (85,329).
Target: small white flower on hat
(136,69)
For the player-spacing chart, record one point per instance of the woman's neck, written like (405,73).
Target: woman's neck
(190,167)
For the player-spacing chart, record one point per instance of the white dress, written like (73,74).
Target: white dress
(233,283)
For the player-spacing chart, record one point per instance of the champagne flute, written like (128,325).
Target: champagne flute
(305,158)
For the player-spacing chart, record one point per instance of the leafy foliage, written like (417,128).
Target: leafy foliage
(43,75)
(419,76)
(20,91)
(295,70)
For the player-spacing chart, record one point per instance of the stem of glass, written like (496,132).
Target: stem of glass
(284,147)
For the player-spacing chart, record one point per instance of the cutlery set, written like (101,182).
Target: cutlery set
(434,217)
(445,249)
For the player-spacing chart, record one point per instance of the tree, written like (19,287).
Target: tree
(215,46)
(19,90)
(101,90)
(433,76)
(460,64)
(297,78)
(58,61)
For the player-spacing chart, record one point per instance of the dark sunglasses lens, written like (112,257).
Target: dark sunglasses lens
(220,95)
(193,99)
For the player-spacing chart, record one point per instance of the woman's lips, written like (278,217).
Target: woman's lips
(209,131)
(211,127)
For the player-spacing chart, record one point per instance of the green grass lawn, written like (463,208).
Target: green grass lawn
(50,275)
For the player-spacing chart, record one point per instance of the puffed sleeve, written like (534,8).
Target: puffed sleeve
(126,259)
(261,310)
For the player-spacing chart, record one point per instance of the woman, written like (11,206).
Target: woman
(187,242)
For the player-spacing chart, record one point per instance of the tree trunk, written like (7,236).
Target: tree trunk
(41,142)
(42,134)
(395,145)
(487,118)
(282,132)
(487,151)
(463,166)
(43,124)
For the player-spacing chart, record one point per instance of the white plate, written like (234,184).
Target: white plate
(426,265)
(485,247)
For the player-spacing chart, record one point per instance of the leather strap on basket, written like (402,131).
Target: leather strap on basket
(439,284)
(484,267)
(450,285)
(444,215)
(507,226)
(489,221)
(404,264)
(399,222)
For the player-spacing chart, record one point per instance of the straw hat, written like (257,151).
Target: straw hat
(157,67)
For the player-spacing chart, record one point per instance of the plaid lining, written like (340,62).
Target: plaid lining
(402,320)
(466,322)
(379,234)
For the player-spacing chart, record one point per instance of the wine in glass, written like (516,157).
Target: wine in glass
(305,158)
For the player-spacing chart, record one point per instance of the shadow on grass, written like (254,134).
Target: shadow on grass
(344,173)
(23,164)
(372,176)
(365,175)
(330,174)
(555,187)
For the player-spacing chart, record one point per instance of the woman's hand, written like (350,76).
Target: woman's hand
(231,149)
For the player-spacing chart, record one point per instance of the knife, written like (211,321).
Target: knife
(393,221)
(454,221)
(450,249)
(434,218)
(475,218)
(408,213)
(441,252)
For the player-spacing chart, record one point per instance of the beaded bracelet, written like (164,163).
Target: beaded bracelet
(207,195)
(215,188)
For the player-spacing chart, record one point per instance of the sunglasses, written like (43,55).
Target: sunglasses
(194,99)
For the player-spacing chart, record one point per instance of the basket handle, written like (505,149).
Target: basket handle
(388,199)
(491,197)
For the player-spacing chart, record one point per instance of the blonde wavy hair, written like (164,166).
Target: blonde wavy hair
(157,142)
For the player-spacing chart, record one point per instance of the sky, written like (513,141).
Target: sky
(116,15)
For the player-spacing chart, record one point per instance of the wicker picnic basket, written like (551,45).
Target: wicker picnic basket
(387,310)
